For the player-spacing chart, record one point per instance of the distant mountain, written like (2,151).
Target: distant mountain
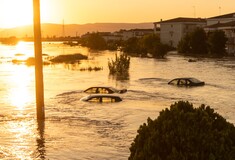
(72,29)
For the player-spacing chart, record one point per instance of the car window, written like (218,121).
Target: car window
(94,99)
(108,99)
(182,82)
(102,90)
(91,90)
(188,82)
(174,82)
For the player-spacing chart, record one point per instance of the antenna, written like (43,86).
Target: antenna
(219,10)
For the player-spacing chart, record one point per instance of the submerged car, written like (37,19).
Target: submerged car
(101,98)
(104,90)
(186,82)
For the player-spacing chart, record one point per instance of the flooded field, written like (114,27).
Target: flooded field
(79,130)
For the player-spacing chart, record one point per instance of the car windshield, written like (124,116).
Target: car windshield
(194,80)
(175,82)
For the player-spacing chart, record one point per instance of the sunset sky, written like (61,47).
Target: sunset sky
(19,12)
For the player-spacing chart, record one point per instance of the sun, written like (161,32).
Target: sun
(14,13)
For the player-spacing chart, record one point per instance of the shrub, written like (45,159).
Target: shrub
(120,65)
(185,133)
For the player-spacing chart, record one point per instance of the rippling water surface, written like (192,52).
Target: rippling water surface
(79,130)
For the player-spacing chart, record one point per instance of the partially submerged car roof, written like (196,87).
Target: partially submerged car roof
(89,97)
(191,81)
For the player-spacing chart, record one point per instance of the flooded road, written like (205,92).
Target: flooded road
(78,130)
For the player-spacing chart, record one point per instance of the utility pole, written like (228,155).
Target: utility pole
(38,61)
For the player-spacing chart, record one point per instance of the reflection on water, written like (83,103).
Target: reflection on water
(21,80)
(120,77)
(22,139)
(80,130)
(15,142)
(41,151)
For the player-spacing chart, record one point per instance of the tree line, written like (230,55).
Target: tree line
(199,42)
(148,45)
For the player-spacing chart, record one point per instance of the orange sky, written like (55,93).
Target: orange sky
(19,12)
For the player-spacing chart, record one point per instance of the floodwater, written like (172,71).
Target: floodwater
(78,130)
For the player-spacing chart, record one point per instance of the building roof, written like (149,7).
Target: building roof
(136,30)
(183,19)
(218,25)
(230,15)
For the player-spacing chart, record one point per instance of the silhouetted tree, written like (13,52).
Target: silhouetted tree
(151,44)
(148,44)
(93,41)
(217,43)
(132,45)
(198,41)
(185,133)
(96,41)
(184,44)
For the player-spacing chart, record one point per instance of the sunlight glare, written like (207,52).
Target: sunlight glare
(19,131)
(20,94)
(23,48)
(16,13)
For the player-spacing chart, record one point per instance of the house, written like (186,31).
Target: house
(221,19)
(225,23)
(126,34)
(108,36)
(173,30)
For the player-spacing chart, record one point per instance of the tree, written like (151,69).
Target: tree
(194,42)
(148,44)
(184,44)
(185,133)
(198,41)
(217,43)
(151,44)
(132,46)
(94,41)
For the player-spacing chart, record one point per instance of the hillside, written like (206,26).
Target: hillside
(71,29)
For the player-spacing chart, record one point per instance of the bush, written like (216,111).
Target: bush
(185,133)
(120,65)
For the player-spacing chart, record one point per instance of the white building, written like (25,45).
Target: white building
(138,33)
(221,19)
(173,30)
(225,23)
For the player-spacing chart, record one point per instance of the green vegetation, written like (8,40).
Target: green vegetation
(93,41)
(200,43)
(185,133)
(119,66)
(217,43)
(147,45)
